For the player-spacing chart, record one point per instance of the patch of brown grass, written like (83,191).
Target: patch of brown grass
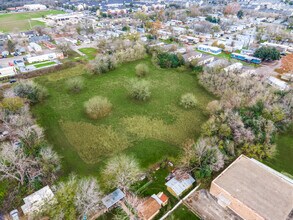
(94,142)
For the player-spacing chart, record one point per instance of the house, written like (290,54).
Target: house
(44,57)
(7,72)
(205,59)
(35,47)
(151,207)
(179,184)
(209,49)
(245,58)
(112,198)
(34,202)
(235,67)
(254,191)
(188,57)
(277,83)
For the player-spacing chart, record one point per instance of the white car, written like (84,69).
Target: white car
(14,214)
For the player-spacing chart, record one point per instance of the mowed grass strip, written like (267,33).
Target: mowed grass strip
(63,112)
(20,21)
(39,65)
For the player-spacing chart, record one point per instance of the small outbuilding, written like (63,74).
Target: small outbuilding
(112,198)
(179,184)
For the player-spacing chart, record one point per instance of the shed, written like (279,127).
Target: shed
(35,201)
(178,185)
(150,208)
(112,198)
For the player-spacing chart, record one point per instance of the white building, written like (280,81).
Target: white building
(44,57)
(209,49)
(65,18)
(235,67)
(35,47)
(7,71)
(278,84)
(34,202)
(35,7)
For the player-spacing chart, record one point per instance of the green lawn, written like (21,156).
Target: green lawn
(20,21)
(89,52)
(182,213)
(149,131)
(282,161)
(43,64)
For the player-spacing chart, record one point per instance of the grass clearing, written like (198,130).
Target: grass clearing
(22,21)
(182,212)
(282,160)
(89,52)
(85,144)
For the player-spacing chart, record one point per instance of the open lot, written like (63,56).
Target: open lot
(149,131)
(22,21)
(89,52)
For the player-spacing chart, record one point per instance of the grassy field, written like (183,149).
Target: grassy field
(149,131)
(89,52)
(282,161)
(182,212)
(20,21)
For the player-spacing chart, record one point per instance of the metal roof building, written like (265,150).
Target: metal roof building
(112,198)
(177,186)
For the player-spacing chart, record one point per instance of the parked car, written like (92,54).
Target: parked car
(14,214)
(12,81)
(10,64)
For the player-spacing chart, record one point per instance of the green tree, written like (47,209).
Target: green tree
(97,107)
(267,53)
(10,46)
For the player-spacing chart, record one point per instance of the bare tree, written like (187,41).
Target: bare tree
(121,171)
(88,196)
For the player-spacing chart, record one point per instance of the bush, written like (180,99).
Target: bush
(140,90)
(141,70)
(12,104)
(188,101)
(97,107)
(31,91)
(75,84)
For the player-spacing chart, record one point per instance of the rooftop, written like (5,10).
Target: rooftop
(113,198)
(259,187)
(180,185)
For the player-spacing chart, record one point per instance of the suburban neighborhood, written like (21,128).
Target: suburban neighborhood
(143,109)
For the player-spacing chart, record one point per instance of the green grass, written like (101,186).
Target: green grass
(89,52)
(20,21)
(39,65)
(282,161)
(150,131)
(182,212)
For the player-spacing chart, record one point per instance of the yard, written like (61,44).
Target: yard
(89,52)
(182,212)
(150,131)
(22,21)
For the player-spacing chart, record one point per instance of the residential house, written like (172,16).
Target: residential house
(151,207)
(235,67)
(205,59)
(35,47)
(209,49)
(112,198)
(254,191)
(34,202)
(179,184)
(192,55)
(278,84)
(7,72)
(44,57)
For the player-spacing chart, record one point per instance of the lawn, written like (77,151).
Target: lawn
(282,161)
(89,52)
(43,64)
(20,21)
(149,131)
(182,212)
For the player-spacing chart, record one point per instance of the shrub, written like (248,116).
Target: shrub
(97,107)
(141,70)
(75,84)
(31,91)
(188,101)
(140,90)
(12,104)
